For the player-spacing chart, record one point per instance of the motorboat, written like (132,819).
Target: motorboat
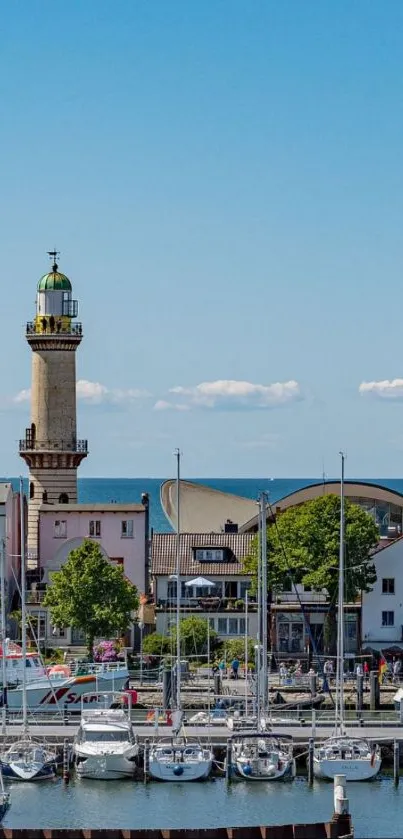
(353,757)
(261,756)
(179,759)
(28,760)
(59,686)
(105,746)
(217,716)
(340,754)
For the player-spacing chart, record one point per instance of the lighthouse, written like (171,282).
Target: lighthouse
(50,448)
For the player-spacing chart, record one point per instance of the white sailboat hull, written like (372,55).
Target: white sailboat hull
(360,769)
(181,772)
(263,770)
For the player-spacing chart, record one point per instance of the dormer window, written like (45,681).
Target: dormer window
(209,554)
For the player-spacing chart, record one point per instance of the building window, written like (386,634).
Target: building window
(232,626)
(388,618)
(231,588)
(222,626)
(95,528)
(244,586)
(388,585)
(117,560)
(209,555)
(31,489)
(63,498)
(60,531)
(127,529)
(211,623)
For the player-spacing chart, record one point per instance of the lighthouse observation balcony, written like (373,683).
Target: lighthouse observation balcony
(33,445)
(51,327)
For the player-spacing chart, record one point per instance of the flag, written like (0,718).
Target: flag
(382,668)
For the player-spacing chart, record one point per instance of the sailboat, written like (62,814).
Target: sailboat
(26,759)
(340,754)
(178,758)
(257,753)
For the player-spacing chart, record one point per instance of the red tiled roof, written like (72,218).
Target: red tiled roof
(163,553)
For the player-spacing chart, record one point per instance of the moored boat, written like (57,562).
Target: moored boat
(105,746)
(261,756)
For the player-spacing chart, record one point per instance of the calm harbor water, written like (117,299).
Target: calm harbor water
(377,807)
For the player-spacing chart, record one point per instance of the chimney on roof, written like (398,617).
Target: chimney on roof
(230,527)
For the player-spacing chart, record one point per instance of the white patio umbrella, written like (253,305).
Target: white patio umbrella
(200,582)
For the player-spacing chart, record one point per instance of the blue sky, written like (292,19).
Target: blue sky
(224,182)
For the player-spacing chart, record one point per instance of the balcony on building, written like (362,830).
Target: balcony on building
(31,444)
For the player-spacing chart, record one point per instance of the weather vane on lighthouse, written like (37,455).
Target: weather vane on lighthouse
(53,255)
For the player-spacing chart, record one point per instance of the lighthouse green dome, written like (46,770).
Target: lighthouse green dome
(54,281)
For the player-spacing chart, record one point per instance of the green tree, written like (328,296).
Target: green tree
(156,644)
(303,547)
(235,648)
(193,635)
(91,594)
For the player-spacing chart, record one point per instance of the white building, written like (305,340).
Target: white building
(218,557)
(382,608)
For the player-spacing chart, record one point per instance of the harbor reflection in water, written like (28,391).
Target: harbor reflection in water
(376,807)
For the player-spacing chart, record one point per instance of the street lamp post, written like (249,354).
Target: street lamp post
(141,628)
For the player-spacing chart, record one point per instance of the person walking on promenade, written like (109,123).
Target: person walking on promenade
(235,668)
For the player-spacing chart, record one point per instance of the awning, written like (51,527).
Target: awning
(383,646)
(200,582)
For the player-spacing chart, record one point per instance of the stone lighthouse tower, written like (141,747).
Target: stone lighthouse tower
(51,449)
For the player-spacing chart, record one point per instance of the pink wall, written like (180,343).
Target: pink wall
(53,551)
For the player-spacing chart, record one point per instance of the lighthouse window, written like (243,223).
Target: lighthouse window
(31,489)
(60,529)
(63,498)
(95,527)
(127,529)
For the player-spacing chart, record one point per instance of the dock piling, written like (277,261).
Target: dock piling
(396,760)
(146,756)
(66,761)
(401,712)
(310,760)
(360,691)
(228,762)
(341,802)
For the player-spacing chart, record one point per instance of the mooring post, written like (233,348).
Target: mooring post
(360,691)
(313,684)
(401,711)
(146,760)
(66,761)
(374,690)
(311,745)
(313,723)
(396,761)
(341,802)
(228,762)
(217,684)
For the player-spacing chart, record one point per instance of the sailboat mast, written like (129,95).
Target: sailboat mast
(340,613)
(263,509)
(178,581)
(23,612)
(3,635)
(258,657)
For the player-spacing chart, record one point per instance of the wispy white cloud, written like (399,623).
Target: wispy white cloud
(163,405)
(386,389)
(231,394)
(95,393)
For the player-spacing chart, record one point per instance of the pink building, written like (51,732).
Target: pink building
(121,530)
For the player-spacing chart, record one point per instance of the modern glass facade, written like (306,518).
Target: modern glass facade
(389,517)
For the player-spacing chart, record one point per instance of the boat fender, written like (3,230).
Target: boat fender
(373,755)
(178,770)
(247,770)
